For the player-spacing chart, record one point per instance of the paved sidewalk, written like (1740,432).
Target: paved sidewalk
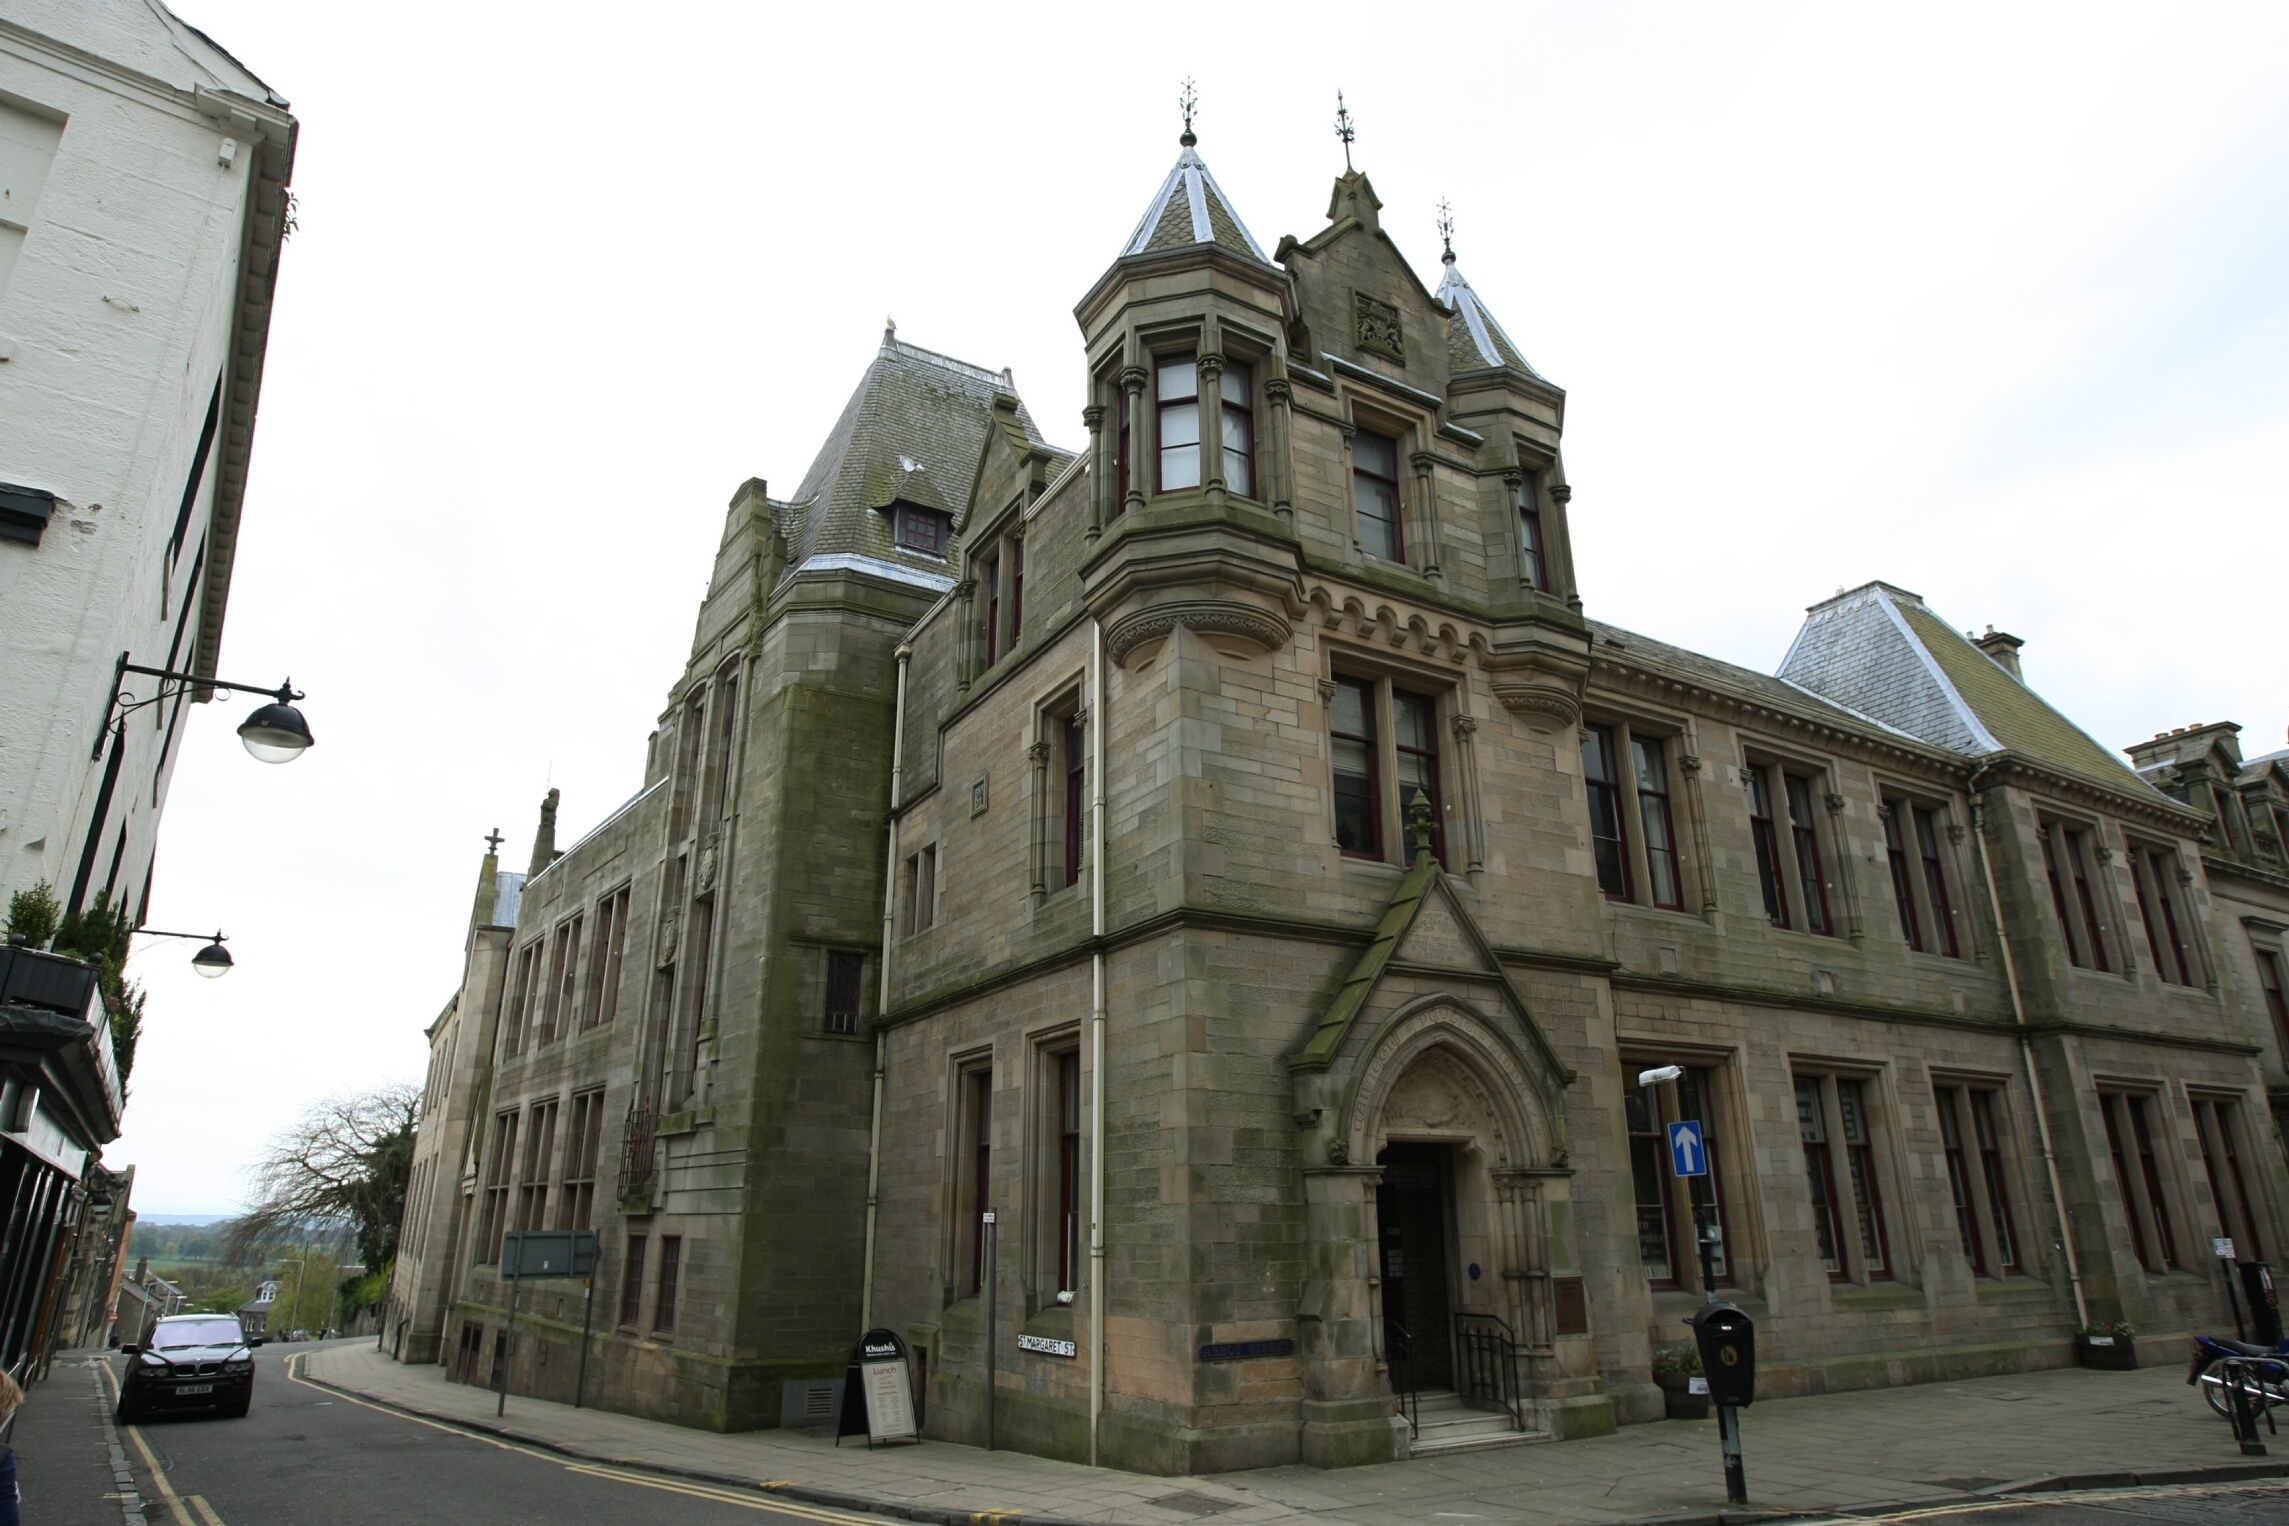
(1804,1456)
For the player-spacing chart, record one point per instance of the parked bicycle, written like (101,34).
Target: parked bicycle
(2264,1370)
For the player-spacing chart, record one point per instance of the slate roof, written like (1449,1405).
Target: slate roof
(1881,650)
(1475,341)
(912,432)
(1614,641)
(1191,208)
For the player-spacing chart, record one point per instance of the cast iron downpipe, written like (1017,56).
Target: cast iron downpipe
(882,1002)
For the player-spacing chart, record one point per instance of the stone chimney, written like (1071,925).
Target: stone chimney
(2004,648)
(544,840)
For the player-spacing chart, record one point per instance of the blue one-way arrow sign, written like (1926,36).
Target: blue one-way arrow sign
(1687,1155)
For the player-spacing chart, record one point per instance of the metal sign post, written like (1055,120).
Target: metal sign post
(991,1231)
(543,1253)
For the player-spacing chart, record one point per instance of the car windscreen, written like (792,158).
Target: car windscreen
(173,1336)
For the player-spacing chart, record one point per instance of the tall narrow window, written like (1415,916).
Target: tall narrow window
(1808,868)
(1016,592)
(1121,446)
(1649,1169)
(2276,989)
(1959,1186)
(565,1015)
(989,573)
(2137,1172)
(978,1098)
(1653,816)
(1533,560)
(1351,728)
(1600,776)
(2051,836)
(1935,882)
(611,944)
(632,1284)
(1375,484)
(1076,795)
(1860,1159)
(671,1272)
(2150,1172)
(520,996)
(1705,1195)
(1990,1143)
(1767,837)
(576,1205)
(926,888)
(723,721)
(2237,1211)
(844,972)
(2078,857)
(1178,390)
(1902,889)
(1415,718)
(1240,429)
(695,1014)
(1820,1176)
(499,1165)
(1069,1171)
(540,1155)
(2156,873)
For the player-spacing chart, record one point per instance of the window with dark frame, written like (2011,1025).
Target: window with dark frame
(845,972)
(921,889)
(1415,722)
(1375,485)
(1820,1176)
(1075,736)
(1903,892)
(2057,880)
(611,948)
(1649,1169)
(1670,1208)
(576,1204)
(632,1283)
(2269,977)
(1121,445)
(1533,560)
(2078,859)
(1016,592)
(1351,728)
(2217,1124)
(723,743)
(2138,1175)
(977,1128)
(2154,874)
(1176,389)
(1607,846)
(540,1155)
(1990,1141)
(1802,828)
(1068,1171)
(664,1297)
(989,573)
(1949,1100)
(1867,1195)
(498,1168)
(1239,429)
(1766,835)
(1935,881)
(921,530)
(1654,818)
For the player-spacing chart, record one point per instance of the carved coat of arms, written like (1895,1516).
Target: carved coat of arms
(1375,327)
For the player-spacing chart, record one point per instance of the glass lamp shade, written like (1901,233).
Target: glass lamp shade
(214,960)
(276,733)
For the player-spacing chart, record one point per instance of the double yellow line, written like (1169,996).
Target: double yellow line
(175,1502)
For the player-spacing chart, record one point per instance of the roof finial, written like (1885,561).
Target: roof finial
(493,842)
(1189,104)
(1446,230)
(1344,129)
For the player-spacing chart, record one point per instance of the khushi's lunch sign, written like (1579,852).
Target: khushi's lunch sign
(878,1396)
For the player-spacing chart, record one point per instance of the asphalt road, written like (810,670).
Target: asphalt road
(305,1456)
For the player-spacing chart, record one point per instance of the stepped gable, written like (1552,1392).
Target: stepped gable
(1881,650)
(911,433)
(1475,340)
(1191,209)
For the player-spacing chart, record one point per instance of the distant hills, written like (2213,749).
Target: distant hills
(193,1220)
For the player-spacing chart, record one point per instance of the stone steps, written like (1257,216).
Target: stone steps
(1445,1424)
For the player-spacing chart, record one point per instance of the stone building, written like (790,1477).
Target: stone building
(1232,856)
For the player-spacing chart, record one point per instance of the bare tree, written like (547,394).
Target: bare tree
(346,1161)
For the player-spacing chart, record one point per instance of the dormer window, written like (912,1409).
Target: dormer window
(1178,394)
(1375,484)
(922,530)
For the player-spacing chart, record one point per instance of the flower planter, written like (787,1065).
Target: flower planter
(1678,1399)
(2109,1353)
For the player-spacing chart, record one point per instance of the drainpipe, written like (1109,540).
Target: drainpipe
(882,1003)
(1096,1033)
(2027,1049)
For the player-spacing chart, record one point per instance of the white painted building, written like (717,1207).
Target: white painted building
(143,201)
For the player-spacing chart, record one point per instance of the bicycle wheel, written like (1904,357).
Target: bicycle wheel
(2213,1389)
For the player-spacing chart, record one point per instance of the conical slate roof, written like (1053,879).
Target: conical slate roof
(1475,342)
(1881,651)
(1191,208)
(911,433)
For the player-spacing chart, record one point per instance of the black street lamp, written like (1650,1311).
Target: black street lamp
(275,733)
(213,961)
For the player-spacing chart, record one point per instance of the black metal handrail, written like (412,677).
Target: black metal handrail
(1399,1356)
(1488,1353)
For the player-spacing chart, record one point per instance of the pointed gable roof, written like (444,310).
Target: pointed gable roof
(911,433)
(1189,209)
(1881,651)
(1475,341)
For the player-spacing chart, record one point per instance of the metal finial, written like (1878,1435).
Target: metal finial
(1344,129)
(1446,230)
(1189,104)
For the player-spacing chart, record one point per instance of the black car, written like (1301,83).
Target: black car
(192,1362)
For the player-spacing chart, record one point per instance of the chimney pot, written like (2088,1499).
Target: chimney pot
(2003,647)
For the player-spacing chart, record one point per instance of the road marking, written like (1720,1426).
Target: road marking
(673,1486)
(2052,1498)
(158,1478)
(206,1510)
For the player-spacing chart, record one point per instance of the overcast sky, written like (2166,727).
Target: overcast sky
(1991,302)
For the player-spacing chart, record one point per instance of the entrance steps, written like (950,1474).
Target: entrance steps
(1445,1424)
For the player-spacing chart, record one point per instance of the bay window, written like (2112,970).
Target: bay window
(1239,429)
(1533,558)
(1177,392)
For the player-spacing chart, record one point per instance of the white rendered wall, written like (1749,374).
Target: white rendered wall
(117,303)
